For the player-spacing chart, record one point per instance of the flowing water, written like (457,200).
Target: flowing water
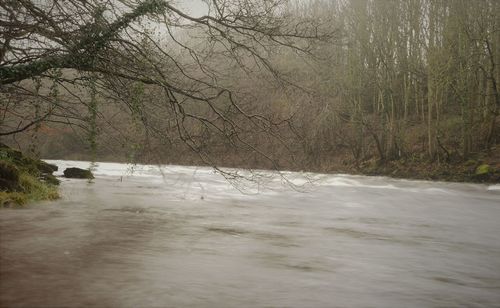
(187,237)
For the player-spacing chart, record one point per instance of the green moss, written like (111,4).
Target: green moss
(50,179)
(17,199)
(24,179)
(36,189)
(483,169)
(32,189)
(8,199)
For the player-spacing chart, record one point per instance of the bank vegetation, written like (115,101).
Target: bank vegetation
(407,88)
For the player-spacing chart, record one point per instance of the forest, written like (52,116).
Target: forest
(407,88)
(249,153)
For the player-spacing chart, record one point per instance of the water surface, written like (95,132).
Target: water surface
(138,237)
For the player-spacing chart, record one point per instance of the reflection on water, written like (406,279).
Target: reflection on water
(185,238)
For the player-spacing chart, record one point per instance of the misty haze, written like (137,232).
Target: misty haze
(249,153)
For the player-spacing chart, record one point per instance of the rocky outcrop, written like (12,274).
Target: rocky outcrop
(45,167)
(13,163)
(24,179)
(78,173)
(9,177)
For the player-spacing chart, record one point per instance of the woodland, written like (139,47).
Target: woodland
(407,88)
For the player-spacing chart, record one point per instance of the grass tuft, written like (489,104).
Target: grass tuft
(32,190)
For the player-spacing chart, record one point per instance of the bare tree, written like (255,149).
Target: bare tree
(56,53)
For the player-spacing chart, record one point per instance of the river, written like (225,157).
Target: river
(141,236)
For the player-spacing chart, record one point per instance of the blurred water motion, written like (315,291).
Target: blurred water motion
(185,236)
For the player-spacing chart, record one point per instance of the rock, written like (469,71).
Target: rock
(45,167)
(25,163)
(78,173)
(9,177)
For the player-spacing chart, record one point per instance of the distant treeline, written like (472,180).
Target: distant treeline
(410,79)
(401,80)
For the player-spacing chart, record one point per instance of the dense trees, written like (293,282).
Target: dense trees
(258,83)
(84,51)
(409,66)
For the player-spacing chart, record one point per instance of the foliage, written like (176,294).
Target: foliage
(128,45)
(25,179)
(483,169)
(263,84)
(32,190)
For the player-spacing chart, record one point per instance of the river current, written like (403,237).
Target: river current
(144,236)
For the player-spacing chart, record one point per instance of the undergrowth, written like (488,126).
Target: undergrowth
(32,190)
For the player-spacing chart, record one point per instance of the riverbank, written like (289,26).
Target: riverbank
(24,179)
(470,171)
(483,169)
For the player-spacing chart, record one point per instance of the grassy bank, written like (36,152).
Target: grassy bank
(481,167)
(470,171)
(24,179)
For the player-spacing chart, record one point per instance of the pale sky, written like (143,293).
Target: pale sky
(194,7)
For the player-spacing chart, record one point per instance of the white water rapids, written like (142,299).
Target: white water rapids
(141,236)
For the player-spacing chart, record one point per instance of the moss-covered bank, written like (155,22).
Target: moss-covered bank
(24,179)
(473,171)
